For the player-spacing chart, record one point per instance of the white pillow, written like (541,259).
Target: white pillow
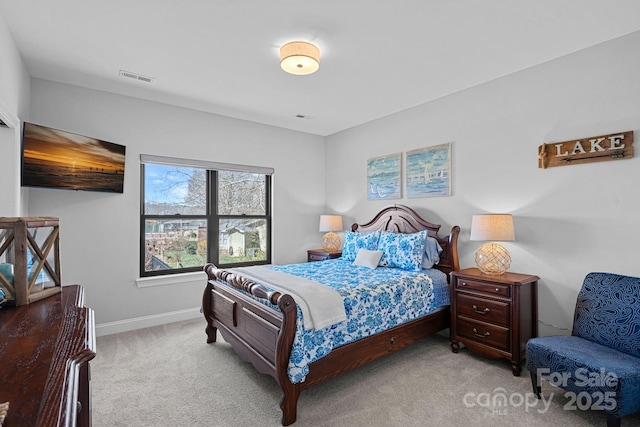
(368,258)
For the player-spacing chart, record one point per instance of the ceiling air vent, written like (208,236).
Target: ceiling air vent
(136,76)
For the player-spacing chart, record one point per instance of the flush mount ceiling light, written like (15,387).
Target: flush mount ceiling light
(299,58)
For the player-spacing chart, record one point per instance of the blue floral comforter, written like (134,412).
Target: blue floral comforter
(375,300)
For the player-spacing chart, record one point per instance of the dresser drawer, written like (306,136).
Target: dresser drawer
(488,288)
(491,335)
(483,309)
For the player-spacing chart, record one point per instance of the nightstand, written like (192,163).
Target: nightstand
(494,315)
(322,255)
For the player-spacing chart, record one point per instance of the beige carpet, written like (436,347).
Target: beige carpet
(169,376)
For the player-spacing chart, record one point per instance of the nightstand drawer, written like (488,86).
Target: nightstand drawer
(491,335)
(322,255)
(488,288)
(483,309)
(316,257)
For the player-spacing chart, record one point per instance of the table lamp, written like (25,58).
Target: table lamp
(492,258)
(330,223)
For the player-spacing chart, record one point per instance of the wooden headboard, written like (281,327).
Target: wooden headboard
(403,219)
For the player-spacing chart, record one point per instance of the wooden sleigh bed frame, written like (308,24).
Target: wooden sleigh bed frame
(264,336)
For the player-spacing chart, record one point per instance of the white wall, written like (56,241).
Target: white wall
(99,241)
(569,220)
(14,105)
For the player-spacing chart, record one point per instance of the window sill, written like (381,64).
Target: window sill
(172,279)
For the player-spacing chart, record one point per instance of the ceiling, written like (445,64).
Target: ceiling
(377,57)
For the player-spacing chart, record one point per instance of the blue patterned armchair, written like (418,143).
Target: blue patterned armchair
(600,362)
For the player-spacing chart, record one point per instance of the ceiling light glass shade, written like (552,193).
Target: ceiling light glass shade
(331,241)
(492,258)
(299,58)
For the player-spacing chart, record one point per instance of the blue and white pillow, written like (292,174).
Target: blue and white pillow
(353,242)
(404,251)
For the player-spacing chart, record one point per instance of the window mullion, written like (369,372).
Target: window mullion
(214,227)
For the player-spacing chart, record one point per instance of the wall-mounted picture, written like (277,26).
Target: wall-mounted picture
(384,177)
(53,158)
(429,171)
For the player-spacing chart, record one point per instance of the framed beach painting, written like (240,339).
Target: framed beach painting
(429,171)
(384,177)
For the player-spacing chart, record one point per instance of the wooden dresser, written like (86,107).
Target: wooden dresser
(494,315)
(45,349)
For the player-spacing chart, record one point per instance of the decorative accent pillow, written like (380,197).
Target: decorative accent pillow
(432,251)
(402,251)
(355,241)
(368,258)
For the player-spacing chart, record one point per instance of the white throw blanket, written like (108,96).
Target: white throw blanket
(321,305)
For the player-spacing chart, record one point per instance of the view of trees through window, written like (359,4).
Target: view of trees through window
(185,208)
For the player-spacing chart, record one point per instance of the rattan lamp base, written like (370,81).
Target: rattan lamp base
(492,258)
(331,242)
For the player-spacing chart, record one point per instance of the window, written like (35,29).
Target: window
(196,212)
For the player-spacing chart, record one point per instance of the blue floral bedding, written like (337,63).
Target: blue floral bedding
(375,300)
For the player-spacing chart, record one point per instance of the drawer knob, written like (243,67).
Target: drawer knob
(485,311)
(475,332)
(497,289)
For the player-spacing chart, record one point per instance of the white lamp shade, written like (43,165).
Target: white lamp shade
(492,227)
(330,223)
(492,258)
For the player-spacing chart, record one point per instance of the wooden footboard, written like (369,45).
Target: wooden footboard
(258,333)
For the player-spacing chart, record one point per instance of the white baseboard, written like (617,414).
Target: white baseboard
(147,321)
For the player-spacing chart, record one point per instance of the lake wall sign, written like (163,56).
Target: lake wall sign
(615,146)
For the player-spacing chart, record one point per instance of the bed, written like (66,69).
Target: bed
(265,326)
